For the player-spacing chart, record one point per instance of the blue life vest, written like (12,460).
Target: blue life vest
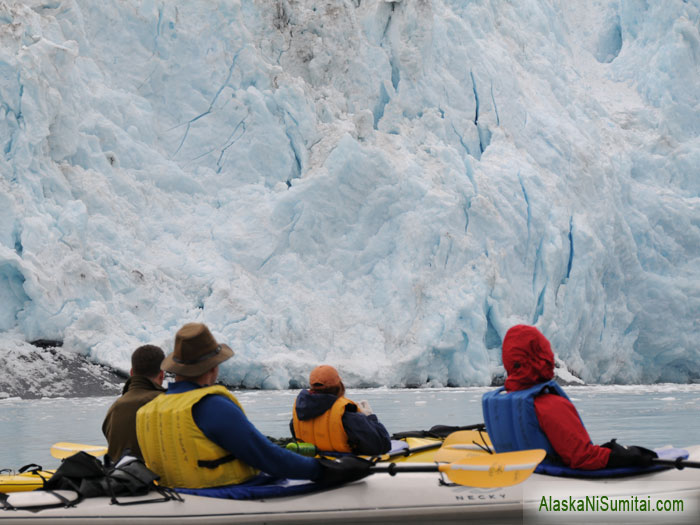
(511,420)
(512,424)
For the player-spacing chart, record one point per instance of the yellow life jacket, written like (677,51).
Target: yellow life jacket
(173,445)
(325,431)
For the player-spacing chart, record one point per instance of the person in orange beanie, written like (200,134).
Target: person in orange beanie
(325,417)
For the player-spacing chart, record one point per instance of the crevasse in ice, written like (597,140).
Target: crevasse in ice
(386,186)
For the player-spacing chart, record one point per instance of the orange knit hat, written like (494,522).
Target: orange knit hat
(323,377)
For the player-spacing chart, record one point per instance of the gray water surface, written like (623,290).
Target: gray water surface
(648,415)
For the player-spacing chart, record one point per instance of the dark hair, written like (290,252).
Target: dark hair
(146,360)
(337,390)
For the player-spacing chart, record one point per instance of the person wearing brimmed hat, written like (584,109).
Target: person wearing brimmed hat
(323,416)
(197,435)
(144,383)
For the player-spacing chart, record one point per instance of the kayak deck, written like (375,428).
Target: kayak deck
(20,482)
(408,498)
(381,498)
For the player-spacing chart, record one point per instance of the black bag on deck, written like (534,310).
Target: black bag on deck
(86,475)
(80,472)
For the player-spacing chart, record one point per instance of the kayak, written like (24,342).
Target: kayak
(668,496)
(418,450)
(11,481)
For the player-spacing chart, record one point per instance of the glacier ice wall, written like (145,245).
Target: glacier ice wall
(386,186)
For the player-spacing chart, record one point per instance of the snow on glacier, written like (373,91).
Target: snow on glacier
(383,186)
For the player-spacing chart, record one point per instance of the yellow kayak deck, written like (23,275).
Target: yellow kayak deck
(467,441)
(23,481)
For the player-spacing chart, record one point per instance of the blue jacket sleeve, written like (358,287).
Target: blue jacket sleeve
(227,426)
(366,435)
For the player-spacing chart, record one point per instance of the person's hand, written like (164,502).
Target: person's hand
(631,456)
(363,406)
(343,470)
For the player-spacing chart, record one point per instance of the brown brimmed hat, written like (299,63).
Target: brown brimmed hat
(196,351)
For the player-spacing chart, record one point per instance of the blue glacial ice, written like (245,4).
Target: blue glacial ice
(385,186)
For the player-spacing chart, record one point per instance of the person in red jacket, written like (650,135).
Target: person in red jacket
(529,364)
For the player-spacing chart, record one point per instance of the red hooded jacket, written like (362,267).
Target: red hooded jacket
(528,360)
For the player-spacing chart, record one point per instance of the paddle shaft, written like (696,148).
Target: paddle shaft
(678,463)
(482,470)
(436,431)
(393,468)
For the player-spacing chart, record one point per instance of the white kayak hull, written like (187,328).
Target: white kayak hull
(412,498)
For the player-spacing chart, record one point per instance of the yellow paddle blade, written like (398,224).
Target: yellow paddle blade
(468,440)
(63,450)
(463,444)
(450,455)
(494,470)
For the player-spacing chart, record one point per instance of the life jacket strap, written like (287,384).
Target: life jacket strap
(213,463)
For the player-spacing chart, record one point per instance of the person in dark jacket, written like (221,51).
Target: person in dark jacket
(145,383)
(324,417)
(533,411)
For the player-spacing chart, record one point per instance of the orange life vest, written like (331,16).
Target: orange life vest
(325,431)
